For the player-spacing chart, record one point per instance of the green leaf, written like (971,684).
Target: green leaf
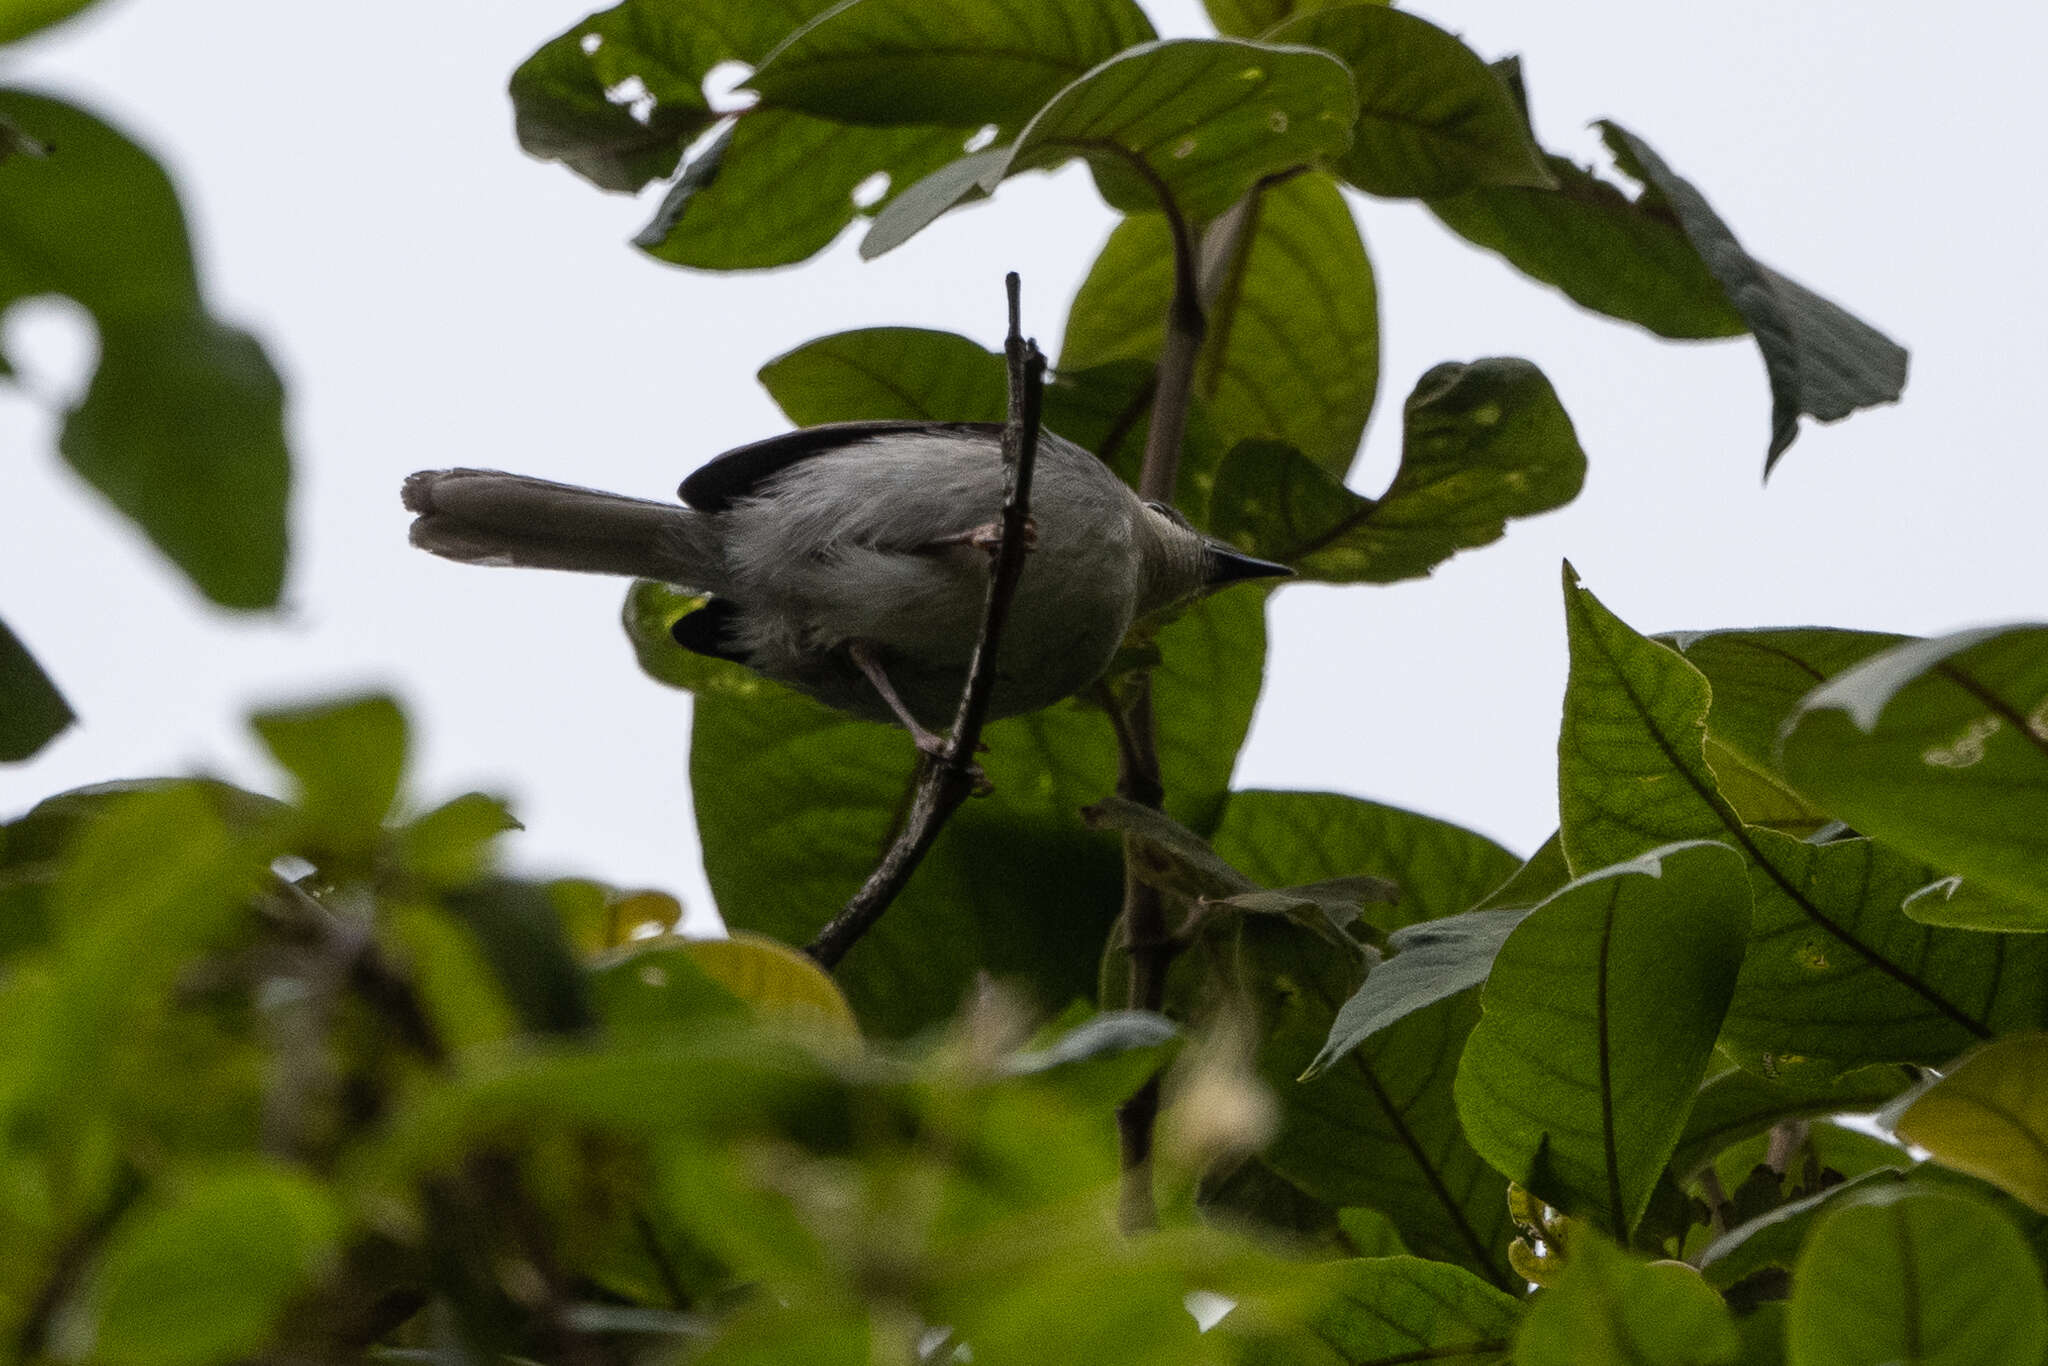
(1189,125)
(1610,1309)
(1431,961)
(1292,351)
(1758,678)
(1599,1017)
(1212,663)
(921,203)
(1135,1035)
(1774,1238)
(208,1275)
(907,372)
(648,986)
(1379,1309)
(651,610)
(16,143)
(1481,443)
(19,18)
(778,187)
(1379,1129)
(1940,748)
(1631,767)
(1823,361)
(1956,904)
(709,1086)
(348,759)
(518,928)
(1301,838)
(1433,118)
(1168,855)
(1249,18)
(563,99)
(1988,1116)
(1837,976)
(1624,257)
(888,372)
(1739,1104)
(776,982)
(152,877)
(32,711)
(182,427)
(944,61)
(1903,1274)
(1337,902)
(1539,878)
(1163,853)
(451,844)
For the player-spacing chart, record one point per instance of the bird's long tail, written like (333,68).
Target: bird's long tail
(489,517)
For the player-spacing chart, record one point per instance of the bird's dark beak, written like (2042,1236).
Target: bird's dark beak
(1228,566)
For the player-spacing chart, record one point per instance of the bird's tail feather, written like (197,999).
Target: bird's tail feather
(489,517)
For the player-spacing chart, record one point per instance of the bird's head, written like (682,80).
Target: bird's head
(1181,563)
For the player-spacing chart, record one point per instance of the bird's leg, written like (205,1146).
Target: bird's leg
(864,655)
(987,538)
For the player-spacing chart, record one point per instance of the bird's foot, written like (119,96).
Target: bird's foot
(988,537)
(934,747)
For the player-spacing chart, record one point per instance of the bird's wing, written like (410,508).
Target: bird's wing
(739,471)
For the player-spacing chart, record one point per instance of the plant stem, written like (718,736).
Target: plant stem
(943,784)
(1147,943)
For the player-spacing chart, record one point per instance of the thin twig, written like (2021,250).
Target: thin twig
(946,782)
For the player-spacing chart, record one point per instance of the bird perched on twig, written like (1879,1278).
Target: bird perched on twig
(850,561)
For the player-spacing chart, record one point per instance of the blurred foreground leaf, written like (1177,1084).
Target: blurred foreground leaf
(208,1275)
(348,759)
(182,427)
(19,18)
(32,711)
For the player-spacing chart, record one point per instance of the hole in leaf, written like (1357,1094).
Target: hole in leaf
(634,94)
(590,43)
(869,192)
(54,346)
(721,87)
(981,138)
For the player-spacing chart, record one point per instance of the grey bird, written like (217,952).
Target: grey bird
(851,561)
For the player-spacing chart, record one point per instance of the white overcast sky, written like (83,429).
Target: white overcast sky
(434,298)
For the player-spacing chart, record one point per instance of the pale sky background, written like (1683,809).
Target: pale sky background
(434,297)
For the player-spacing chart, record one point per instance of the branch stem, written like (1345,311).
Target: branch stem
(1147,943)
(947,781)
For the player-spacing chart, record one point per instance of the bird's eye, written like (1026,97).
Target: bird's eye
(1171,514)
